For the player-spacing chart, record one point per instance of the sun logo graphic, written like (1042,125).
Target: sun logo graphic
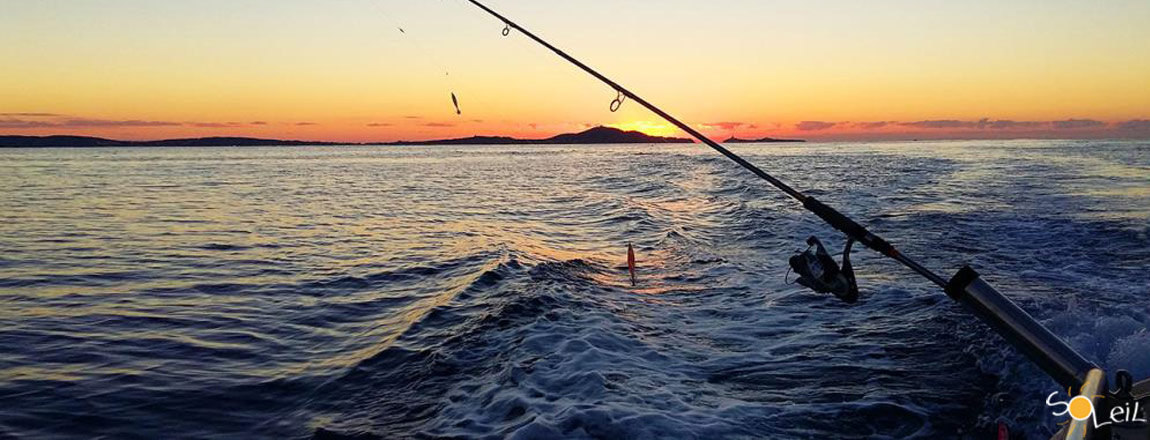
(1081,408)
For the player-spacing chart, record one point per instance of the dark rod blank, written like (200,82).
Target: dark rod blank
(828,214)
(1051,353)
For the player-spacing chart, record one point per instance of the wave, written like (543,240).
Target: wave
(483,292)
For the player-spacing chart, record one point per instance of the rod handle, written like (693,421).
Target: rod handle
(1065,365)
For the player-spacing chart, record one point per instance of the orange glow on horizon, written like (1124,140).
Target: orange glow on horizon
(419,129)
(649,128)
(341,71)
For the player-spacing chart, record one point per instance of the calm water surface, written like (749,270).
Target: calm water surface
(480,292)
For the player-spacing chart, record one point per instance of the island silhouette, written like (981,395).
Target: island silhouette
(89,142)
(766,140)
(596,135)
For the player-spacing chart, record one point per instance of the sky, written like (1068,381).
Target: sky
(342,70)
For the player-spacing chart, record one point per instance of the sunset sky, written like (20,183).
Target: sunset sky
(343,71)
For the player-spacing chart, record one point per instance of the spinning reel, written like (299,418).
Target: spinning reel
(818,271)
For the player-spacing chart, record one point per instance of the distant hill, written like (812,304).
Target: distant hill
(766,140)
(473,140)
(85,141)
(228,142)
(56,141)
(608,135)
(597,135)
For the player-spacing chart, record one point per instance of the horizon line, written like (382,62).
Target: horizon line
(431,142)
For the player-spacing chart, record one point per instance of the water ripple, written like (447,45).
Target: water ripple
(481,292)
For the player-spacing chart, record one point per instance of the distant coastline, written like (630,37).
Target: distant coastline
(94,142)
(597,135)
(766,140)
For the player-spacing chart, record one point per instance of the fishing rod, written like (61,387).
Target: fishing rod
(1052,354)
(827,213)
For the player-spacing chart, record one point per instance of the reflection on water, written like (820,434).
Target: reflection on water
(482,291)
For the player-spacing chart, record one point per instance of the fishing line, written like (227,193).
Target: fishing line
(410,35)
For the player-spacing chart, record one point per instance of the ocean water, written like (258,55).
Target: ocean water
(481,292)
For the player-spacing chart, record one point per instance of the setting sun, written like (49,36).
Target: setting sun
(649,128)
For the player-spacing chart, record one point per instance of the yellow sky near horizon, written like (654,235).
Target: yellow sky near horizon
(343,71)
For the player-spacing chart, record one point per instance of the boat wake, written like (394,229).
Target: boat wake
(483,292)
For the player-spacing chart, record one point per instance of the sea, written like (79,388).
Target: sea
(481,292)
